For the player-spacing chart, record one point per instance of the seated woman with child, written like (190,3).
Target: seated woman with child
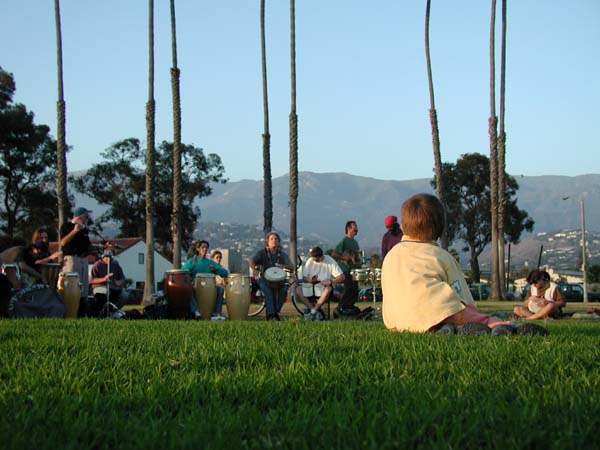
(544,298)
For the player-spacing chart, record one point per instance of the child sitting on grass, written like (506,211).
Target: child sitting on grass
(544,298)
(423,286)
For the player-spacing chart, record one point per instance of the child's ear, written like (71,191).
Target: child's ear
(402,228)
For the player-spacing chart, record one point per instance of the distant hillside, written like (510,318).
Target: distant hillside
(327,200)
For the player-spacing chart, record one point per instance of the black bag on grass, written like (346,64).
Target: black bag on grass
(36,301)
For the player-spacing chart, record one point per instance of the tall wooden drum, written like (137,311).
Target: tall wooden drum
(237,293)
(50,272)
(205,288)
(178,287)
(68,289)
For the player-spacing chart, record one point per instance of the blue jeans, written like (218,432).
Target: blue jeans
(273,305)
(218,305)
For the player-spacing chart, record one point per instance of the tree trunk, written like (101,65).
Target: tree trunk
(474,263)
(176,214)
(61,146)
(150,143)
(495,288)
(266,137)
(434,125)
(502,153)
(293,137)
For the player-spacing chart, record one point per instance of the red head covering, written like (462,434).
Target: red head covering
(390,220)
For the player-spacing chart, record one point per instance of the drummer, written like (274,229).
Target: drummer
(200,263)
(21,257)
(347,254)
(271,255)
(115,279)
(323,270)
(40,248)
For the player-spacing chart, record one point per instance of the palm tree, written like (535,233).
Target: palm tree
(502,151)
(293,136)
(150,142)
(176,214)
(434,124)
(266,137)
(61,146)
(495,288)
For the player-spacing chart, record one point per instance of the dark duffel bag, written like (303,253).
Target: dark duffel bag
(36,301)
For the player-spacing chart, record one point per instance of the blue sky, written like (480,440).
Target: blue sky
(362,96)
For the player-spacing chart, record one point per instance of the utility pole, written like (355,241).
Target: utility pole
(583,251)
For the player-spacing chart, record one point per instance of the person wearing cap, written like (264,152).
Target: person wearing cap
(271,256)
(75,243)
(392,236)
(323,270)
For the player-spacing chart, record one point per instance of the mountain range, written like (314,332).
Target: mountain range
(327,200)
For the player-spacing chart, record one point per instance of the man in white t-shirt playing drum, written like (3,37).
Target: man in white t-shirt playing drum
(319,272)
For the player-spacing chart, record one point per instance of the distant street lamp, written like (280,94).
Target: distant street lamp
(583,247)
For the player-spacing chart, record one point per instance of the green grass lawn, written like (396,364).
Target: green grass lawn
(292,384)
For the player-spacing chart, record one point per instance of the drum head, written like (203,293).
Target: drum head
(275,274)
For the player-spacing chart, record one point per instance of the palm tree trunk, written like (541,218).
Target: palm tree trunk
(437,157)
(502,152)
(495,289)
(61,146)
(150,143)
(176,214)
(293,137)
(266,137)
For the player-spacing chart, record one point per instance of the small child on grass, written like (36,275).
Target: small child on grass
(423,286)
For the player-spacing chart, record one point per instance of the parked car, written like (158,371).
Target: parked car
(366,294)
(572,292)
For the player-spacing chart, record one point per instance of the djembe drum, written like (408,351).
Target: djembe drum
(205,288)
(237,293)
(69,291)
(50,273)
(178,287)
(359,274)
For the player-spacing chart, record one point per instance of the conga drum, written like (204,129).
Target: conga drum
(359,274)
(50,272)
(205,288)
(13,274)
(68,289)
(178,287)
(237,293)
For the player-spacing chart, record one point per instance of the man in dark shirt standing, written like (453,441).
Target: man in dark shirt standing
(75,242)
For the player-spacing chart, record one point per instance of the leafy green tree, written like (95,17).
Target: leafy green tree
(119,182)
(27,167)
(468,200)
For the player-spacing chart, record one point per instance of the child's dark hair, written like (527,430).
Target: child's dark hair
(423,217)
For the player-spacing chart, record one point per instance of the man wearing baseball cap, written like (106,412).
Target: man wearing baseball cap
(392,236)
(75,243)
